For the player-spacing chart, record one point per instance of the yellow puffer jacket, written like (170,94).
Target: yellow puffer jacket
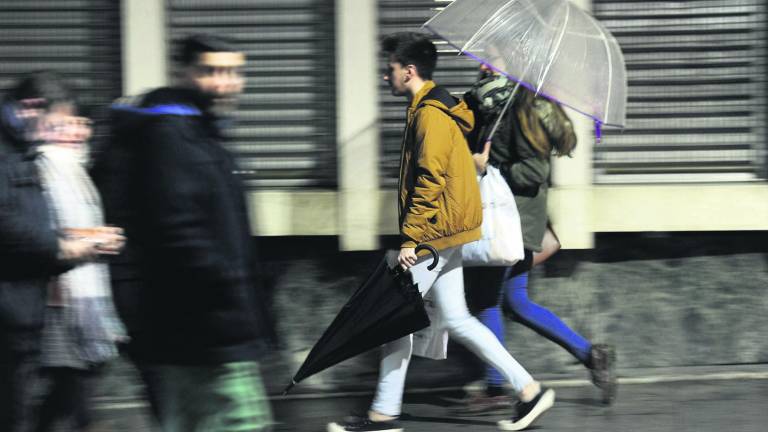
(439,196)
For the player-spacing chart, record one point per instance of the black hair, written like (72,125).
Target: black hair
(46,88)
(46,85)
(192,46)
(410,48)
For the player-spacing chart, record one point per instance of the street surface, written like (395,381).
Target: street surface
(709,402)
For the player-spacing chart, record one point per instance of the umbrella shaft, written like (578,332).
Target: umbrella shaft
(503,111)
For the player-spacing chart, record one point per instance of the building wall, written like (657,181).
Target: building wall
(663,300)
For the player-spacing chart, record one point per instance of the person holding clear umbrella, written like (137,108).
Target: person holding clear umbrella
(559,50)
(517,132)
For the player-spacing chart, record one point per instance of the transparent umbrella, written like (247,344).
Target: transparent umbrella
(550,46)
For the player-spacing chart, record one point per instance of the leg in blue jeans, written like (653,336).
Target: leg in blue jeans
(536,317)
(493,319)
(541,319)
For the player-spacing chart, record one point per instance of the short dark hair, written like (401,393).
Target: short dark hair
(411,48)
(192,46)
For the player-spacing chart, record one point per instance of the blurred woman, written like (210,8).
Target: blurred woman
(81,326)
(32,248)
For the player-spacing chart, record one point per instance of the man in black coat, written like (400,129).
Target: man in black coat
(32,251)
(186,287)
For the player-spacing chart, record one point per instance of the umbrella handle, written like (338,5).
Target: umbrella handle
(433,251)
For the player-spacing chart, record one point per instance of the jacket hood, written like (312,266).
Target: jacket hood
(459,112)
(177,96)
(130,111)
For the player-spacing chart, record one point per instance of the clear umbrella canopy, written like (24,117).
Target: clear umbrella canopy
(550,46)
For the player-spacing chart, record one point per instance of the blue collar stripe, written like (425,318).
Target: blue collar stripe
(179,110)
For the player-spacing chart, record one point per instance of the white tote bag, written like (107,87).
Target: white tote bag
(502,240)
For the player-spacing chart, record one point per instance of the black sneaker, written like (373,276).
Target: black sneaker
(527,412)
(602,367)
(364,424)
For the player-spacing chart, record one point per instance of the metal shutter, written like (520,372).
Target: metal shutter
(456,73)
(285,134)
(697,93)
(78,38)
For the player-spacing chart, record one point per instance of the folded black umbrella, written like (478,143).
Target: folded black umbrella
(386,307)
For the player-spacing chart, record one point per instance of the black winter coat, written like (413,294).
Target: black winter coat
(185,286)
(28,244)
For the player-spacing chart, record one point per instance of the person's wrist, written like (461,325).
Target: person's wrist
(76,250)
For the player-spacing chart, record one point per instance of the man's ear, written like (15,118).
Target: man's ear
(411,72)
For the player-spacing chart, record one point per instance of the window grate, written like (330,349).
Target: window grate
(79,39)
(697,92)
(285,133)
(456,73)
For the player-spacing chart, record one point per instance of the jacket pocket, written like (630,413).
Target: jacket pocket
(22,305)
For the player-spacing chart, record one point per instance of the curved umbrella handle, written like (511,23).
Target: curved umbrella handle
(433,251)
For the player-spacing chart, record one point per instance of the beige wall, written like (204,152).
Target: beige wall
(357,123)
(699,207)
(145,59)
(614,208)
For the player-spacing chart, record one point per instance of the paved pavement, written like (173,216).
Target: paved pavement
(704,403)
(734,405)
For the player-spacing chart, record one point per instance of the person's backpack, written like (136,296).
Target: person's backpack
(441,95)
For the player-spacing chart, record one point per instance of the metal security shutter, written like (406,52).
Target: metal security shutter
(78,38)
(697,93)
(456,73)
(285,133)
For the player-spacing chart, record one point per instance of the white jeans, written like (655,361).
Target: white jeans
(447,283)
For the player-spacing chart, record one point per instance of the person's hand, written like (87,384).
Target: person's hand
(481,159)
(109,240)
(76,250)
(105,240)
(407,258)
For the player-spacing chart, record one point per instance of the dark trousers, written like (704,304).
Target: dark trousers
(482,285)
(151,377)
(65,399)
(19,367)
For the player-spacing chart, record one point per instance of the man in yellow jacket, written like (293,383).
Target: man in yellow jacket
(439,205)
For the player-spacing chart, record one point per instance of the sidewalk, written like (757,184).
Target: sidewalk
(681,406)
(690,399)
